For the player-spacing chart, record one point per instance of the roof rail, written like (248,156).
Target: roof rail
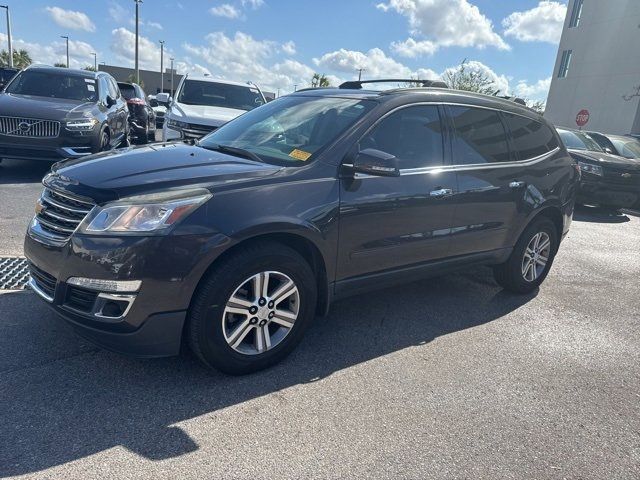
(357,84)
(517,100)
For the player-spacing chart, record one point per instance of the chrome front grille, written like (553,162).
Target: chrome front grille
(59,214)
(197,131)
(29,127)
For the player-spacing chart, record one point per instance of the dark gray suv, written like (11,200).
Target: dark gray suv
(49,113)
(236,242)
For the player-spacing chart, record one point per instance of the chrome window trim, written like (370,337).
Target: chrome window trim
(458,167)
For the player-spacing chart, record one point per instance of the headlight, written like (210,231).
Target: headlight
(84,124)
(592,169)
(143,214)
(178,125)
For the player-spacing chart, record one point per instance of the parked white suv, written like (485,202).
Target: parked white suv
(203,104)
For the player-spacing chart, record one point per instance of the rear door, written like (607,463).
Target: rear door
(390,222)
(499,178)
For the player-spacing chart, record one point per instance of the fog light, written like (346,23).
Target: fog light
(106,285)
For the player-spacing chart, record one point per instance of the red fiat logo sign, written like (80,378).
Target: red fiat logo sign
(582,118)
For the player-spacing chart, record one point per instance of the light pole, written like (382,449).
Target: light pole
(171,76)
(95,61)
(6,7)
(161,65)
(138,2)
(66,37)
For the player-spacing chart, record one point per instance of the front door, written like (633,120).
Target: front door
(390,222)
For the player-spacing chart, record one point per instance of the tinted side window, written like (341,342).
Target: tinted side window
(114,91)
(103,88)
(530,138)
(412,134)
(479,136)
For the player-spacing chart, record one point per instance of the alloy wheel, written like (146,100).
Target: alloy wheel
(261,312)
(536,256)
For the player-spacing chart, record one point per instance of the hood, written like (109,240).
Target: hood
(138,170)
(605,159)
(203,114)
(28,106)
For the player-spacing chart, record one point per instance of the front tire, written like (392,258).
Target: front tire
(252,310)
(531,259)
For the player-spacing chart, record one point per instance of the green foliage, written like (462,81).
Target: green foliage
(21,58)
(59,64)
(90,68)
(320,80)
(464,78)
(132,79)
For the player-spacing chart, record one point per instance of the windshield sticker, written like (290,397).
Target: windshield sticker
(300,154)
(91,88)
(89,80)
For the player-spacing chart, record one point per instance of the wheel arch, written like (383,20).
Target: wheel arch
(298,242)
(553,213)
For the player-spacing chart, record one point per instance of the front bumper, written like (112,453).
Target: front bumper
(66,145)
(169,268)
(606,193)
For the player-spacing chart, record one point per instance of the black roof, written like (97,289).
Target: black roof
(441,95)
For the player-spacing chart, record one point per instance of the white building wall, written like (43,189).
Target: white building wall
(604,68)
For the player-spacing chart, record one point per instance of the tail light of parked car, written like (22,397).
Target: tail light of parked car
(136,101)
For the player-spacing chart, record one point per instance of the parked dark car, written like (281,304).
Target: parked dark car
(142,118)
(608,181)
(49,113)
(621,145)
(235,243)
(6,74)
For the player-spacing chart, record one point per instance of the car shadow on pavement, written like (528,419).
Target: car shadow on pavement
(23,171)
(62,399)
(599,215)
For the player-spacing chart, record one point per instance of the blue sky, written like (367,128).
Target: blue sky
(279,43)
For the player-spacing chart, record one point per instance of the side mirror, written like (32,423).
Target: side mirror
(376,162)
(110,101)
(163,97)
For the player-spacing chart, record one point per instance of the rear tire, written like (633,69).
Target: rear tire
(252,336)
(530,262)
(105,139)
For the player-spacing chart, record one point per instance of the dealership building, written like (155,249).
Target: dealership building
(596,80)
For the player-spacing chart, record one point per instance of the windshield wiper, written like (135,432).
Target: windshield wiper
(237,151)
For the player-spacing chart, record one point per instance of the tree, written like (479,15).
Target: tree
(320,80)
(465,78)
(21,58)
(59,64)
(90,68)
(537,105)
(132,79)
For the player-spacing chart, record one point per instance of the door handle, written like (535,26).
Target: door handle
(440,193)
(517,184)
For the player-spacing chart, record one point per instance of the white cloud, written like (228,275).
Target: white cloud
(119,14)
(71,19)
(412,48)
(156,25)
(243,58)
(79,52)
(253,3)
(498,82)
(225,10)
(375,62)
(289,48)
(123,47)
(542,23)
(535,91)
(443,23)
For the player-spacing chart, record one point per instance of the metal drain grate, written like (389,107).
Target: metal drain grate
(14,273)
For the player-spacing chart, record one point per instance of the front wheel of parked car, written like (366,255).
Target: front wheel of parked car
(104,140)
(531,258)
(253,309)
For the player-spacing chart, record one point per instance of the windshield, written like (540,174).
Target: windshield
(579,141)
(290,130)
(54,85)
(627,148)
(213,94)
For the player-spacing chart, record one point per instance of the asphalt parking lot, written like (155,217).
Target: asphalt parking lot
(444,378)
